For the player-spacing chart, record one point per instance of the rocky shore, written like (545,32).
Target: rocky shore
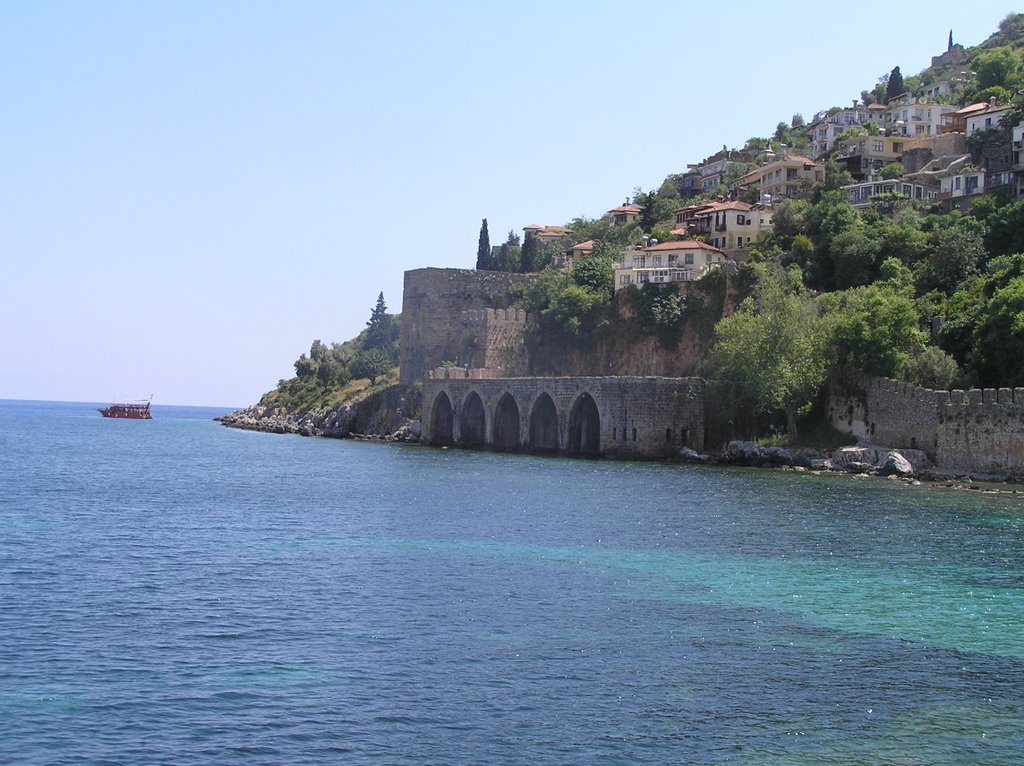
(862,459)
(385,416)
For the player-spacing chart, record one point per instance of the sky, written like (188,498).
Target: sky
(192,192)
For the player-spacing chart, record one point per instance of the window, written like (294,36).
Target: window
(657,260)
(688,259)
(673,259)
(956,182)
(638,261)
(634,434)
(625,279)
(897,147)
(741,220)
(877,145)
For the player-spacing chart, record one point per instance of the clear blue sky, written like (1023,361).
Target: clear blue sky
(193,191)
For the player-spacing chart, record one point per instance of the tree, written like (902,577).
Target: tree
(370,363)
(956,252)
(874,328)
(772,354)
(382,328)
(999,66)
(508,254)
(529,256)
(933,368)
(483,248)
(890,171)
(894,86)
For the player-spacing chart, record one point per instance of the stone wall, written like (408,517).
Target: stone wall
(979,432)
(445,319)
(632,417)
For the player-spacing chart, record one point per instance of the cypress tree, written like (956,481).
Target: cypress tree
(528,255)
(895,85)
(483,249)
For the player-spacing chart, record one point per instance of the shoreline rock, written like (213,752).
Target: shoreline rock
(381,416)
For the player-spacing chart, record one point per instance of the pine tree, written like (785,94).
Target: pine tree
(382,328)
(483,249)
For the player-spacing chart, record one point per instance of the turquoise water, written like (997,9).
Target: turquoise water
(175,592)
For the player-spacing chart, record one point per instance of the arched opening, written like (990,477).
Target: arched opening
(506,424)
(584,427)
(544,425)
(441,421)
(472,428)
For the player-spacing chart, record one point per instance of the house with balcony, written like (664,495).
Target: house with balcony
(864,156)
(624,214)
(733,227)
(982,116)
(915,117)
(664,262)
(827,125)
(789,177)
(864,194)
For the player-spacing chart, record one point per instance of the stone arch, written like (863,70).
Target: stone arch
(441,421)
(544,424)
(472,422)
(584,427)
(506,423)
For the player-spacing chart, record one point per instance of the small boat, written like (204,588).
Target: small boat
(138,410)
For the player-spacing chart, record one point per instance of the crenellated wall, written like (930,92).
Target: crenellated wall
(980,431)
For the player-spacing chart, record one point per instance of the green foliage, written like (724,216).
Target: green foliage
(660,310)
(570,306)
(933,368)
(956,252)
(1005,228)
(595,274)
(371,363)
(507,256)
(998,67)
(772,354)
(382,330)
(890,171)
(875,328)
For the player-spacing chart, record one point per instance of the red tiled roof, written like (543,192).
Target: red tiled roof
(688,244)
(588,245)
(532,227)
(626,209)
(691,207)
(734,205)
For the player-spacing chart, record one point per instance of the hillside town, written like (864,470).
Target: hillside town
(919,145)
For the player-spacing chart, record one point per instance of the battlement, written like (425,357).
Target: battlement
(976,431)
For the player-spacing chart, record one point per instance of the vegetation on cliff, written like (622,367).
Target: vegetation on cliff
(343,372)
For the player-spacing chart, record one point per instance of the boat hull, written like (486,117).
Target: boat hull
(126,411)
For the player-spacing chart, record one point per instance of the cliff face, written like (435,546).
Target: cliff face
(390,415)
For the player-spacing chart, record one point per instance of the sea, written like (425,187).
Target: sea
(176,592)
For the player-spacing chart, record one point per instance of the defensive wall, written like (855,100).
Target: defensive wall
(460,316)
(980,431)
(622,417)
